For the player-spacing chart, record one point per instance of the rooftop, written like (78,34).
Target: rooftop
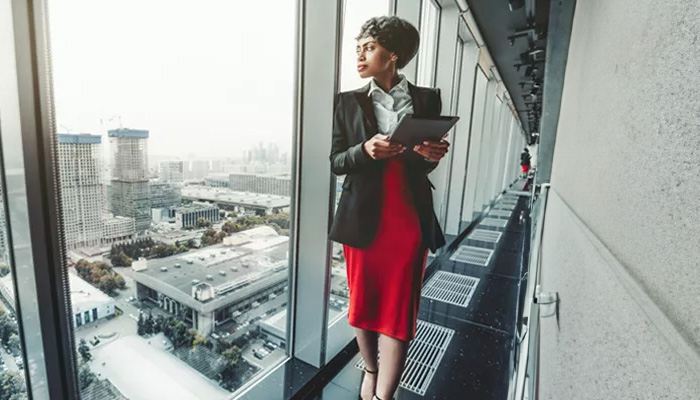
(261,258)
(80,138)
(224,195)
(128,133)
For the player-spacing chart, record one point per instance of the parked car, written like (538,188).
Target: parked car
(269,346)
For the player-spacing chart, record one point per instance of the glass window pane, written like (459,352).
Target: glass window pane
(355,13)
(429,20)
(175,197)
(13,384)
(477,136)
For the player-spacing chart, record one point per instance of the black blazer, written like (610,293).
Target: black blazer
(357,217)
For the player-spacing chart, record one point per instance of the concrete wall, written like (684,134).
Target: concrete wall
(627,156)
(612,343)
(627,162)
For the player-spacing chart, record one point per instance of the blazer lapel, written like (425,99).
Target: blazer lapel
(416,99)
(370,120)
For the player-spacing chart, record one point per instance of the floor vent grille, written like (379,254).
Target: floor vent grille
(472,255)
(424,355)
(498,223)
(451,288)
(485,236)
(500,213)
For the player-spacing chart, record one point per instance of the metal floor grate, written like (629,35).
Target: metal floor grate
(472,255)
(501,213)
(485,236)
(424,355)
(451,288)
(498,223)
(509,207)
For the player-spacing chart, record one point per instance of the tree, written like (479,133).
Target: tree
(12,386)
(85,377)
(13,344)
(141,326)
(228,367)
(108,284)
(7,328)
(84,350)
(203,222)
(121,260)
(150,325)
(121,283)
(229,227)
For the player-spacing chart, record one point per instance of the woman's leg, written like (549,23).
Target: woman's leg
(367,340)
(393,359)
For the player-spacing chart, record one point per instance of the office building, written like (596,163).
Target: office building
(208,286)
(171,171)
(82,201)
(218,180)
(164,194)
(279,185)
(117,228)
(128,191)
(186,217)
(200,169)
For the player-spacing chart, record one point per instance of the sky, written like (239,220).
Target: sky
(204,77)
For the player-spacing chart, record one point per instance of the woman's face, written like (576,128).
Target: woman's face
(372,58)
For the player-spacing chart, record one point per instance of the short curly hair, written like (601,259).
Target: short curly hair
(394,34)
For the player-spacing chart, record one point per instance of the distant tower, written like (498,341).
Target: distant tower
(82,196)
(129,192)
(171,171)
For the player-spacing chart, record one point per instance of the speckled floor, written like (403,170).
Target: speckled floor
(478,361)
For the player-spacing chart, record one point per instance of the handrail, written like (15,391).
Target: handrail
(525,370)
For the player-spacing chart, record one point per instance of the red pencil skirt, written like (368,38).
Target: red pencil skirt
(385,279)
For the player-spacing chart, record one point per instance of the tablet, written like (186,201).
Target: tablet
(412,130)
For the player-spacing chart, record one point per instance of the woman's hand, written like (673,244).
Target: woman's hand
(379,147)
(432,150)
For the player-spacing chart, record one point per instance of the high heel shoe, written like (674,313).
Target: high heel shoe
(371,373)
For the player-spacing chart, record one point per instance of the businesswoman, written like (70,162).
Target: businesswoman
(385,217)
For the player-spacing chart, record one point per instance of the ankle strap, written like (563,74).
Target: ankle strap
(370,372)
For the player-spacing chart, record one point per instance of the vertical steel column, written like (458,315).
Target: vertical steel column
(311,198)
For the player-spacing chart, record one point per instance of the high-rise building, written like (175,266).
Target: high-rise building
(115,229)
(217,166)
(164,194)
(171,171)
(82,197)
(200,169)
(129,194)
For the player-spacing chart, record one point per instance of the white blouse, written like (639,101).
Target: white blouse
(390,107)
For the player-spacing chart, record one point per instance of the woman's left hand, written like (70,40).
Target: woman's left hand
(432,150)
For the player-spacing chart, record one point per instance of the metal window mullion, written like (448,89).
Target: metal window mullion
(312,200)
(446,54)
(30,163)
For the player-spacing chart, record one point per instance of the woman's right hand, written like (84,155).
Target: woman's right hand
(379,147)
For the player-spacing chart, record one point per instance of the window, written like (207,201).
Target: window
(175,199)
(477,135)
(355,13)
(427,52)
(12,374)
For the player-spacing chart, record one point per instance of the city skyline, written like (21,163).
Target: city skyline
(183,85)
